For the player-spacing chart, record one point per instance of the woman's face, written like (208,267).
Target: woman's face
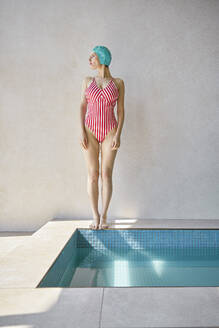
(94,60)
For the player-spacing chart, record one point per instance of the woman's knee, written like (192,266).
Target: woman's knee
(93,175)
(106,173)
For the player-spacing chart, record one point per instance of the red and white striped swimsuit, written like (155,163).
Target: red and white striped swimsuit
(100,118)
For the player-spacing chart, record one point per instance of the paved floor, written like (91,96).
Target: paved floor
(13,240)
(26,257)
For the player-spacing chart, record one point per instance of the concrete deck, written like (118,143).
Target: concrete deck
(25,258)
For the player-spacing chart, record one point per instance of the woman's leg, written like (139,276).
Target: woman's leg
(107,162)
(91,155)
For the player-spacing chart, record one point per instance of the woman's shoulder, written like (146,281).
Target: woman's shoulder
(119,82)
(87,80)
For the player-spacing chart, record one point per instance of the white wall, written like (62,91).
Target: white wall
(167,54)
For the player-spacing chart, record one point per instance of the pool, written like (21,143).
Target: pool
(137,258)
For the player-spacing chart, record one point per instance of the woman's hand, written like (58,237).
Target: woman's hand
(84,139)
(116,142)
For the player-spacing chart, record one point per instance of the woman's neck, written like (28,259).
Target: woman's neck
(104,73)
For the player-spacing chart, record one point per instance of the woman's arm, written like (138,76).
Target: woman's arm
(120,107)
(83,105)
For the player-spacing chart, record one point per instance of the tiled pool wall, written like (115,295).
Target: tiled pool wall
(142,238)
(67,257)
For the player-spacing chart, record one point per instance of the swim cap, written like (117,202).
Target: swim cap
(103,54)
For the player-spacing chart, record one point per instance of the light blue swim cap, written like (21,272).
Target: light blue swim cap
(103,54)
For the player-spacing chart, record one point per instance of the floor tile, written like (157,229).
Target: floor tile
(50,307)
(160,307)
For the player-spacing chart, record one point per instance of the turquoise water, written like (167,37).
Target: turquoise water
(119,268)
(171,263)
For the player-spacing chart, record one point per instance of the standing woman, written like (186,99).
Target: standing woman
(100,132)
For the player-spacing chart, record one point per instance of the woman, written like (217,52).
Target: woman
(100,132)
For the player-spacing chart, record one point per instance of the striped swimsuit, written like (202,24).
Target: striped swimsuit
(100,118)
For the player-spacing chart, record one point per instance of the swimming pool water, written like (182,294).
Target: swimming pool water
(137,258)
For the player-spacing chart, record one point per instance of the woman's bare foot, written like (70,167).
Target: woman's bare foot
(95,223)
(103,224)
